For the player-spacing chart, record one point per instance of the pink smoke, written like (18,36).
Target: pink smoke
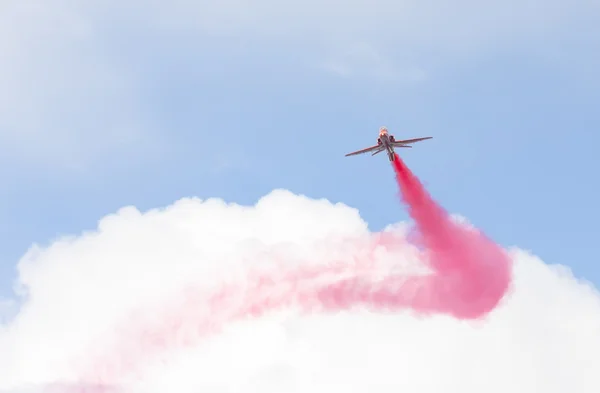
(470,275)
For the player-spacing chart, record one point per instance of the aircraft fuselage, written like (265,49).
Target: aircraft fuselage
(386,140)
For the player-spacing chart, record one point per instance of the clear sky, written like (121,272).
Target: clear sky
(104,105)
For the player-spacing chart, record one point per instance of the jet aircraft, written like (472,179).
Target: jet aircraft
(387,143)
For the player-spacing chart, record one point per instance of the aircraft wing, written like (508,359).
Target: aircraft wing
(402,142)
(368,149)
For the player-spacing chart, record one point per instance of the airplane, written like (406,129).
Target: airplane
(387,142)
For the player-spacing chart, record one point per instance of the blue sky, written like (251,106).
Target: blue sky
(107,106)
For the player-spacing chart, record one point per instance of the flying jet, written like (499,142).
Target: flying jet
(387,143)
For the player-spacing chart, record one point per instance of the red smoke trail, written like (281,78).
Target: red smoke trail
(470,276)
(472,272)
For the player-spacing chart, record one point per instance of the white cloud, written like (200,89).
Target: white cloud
(544,336)
(7,308)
